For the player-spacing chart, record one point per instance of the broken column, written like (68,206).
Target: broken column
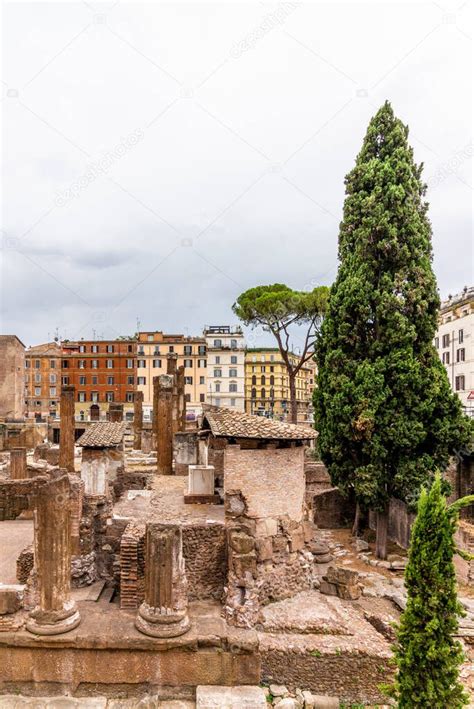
(163,613)
(185,451)
(18,467)
(115,412)
(181,399)
(137,420)
(163,422)
(56,612)
(172,370)
(66,432)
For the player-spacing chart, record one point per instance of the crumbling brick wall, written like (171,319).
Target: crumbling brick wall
(15,496)
(464,539)
(131,480)
(330,509)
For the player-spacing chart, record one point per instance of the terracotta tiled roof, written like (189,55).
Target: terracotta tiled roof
(102,435)
(228,423)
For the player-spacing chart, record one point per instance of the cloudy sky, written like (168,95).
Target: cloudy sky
(161,158)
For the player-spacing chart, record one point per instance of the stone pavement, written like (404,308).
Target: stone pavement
(15,535)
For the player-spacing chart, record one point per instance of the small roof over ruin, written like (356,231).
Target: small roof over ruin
(227,423)
(102,435)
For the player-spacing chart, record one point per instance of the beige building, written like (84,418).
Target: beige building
(454,342)
(12,373)
(152,350)
(42,380)
(267,387)
(226,366)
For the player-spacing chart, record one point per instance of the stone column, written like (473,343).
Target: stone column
(115,412)
(163,422)
(181,400)
(171,363)
(66,432)
(164,612)
(56,612)
(137,420)
(18,469)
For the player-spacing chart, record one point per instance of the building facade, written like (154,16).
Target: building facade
(42,380)
(12,374)
(225,366)
(152,350)
(454,343)
(267,386)
(102,371)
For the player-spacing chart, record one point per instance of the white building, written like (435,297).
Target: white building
(454,342)
(225,366)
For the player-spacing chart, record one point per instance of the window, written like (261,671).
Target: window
(110,364)
(461,336)
(254,393)
(129,363)
(217,402)
(131,380)
(95,348)
(202,380)
(272,380)
(262,394)
(141,351)
(52,364)
(81,396)
(188,349)
(141,363)
(232,402)
(82,381)
(218,386)
(445,357)
(188,363)
(461,355)
(187,398)
(94,364)
(202,397)
(82,348)
(188,380)
(218,372)
(82,364)
(436,342)
(109,395)
(262,379)
(233,344)
(445,340)
(272,393)
(37,378)
(27,363)
(202,349)
(233,386)
(150,338)
(37,391)
(217,343)
(52,391)
(157,363)
(459,383)
(254,380)
(157,350)
(52,379)
(218,359)
(202,363)
(65,381)
(141,380)
(110,381)
(95,396)
(38,403)
(129,396)
(262,369)
(232,372)
(233,359)
(272,358)
(109,348)
(171,348)
(130,348)
(254,358)
(95,381)
(37,364)
(65,364)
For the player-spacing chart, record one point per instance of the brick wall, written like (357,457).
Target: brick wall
(271,480)
(15,496)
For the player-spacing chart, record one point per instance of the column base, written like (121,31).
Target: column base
(161,625)
(45,623)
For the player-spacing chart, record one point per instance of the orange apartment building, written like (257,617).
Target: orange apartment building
(42,380)
(102,371)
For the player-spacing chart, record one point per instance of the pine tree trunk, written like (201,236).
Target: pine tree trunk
(381,534)
(356,525)
(293,405)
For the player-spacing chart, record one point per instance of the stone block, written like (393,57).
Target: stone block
(264,549)
(308,530)
(241,543)
(296,540)
(10,599)
(321,702)
(215,697)
(342,575)
(329,589)
(244,563)
(280,544)
(267,527)
(349,592)
(278,690)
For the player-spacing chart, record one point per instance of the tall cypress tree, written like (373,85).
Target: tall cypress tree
(384,409)
(426,653)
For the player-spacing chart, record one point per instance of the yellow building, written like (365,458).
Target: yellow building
(267,390)
(152,351)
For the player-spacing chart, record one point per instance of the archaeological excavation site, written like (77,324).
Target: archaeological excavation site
(205,564)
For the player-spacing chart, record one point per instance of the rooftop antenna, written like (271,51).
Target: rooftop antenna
(138,324)
(93,334)
(56,335)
